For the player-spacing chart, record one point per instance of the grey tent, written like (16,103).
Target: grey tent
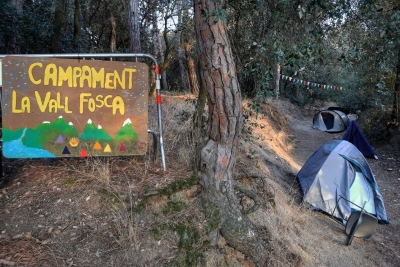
(331,121)
(338,169)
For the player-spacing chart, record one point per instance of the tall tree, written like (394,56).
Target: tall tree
(156,42)
(134,27)
(218,155)
(113,34)
(14,42)
(185,84)
(76,20)
(58,23)
(194,83)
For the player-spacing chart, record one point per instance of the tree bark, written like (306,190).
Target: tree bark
(194,83)
(155,36)
(277,79)
(185,85)
(13,46)
(134,27)
(396,100)
(113,36)
(76,20)
(218,156)
(59,19)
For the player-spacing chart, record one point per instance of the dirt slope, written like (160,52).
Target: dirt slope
(385,243)
(115,211)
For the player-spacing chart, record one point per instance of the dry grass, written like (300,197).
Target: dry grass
(104,215)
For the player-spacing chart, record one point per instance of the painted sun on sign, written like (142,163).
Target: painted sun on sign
(73,108)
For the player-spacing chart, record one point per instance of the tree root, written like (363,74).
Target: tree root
(250,194)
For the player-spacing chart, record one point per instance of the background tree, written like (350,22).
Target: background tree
(134,27)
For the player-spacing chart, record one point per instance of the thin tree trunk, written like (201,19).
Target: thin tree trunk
(164,68)
(194,82)
(165,53)
(59,18)
(185,85)
(134,27)
(218,156)
(396,100)
(113,37)
(13,46)
(277,79)
(76,21)
(198,131)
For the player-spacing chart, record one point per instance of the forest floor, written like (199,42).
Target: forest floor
(127,211)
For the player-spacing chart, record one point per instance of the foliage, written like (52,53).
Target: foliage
(177,185)
(353,44)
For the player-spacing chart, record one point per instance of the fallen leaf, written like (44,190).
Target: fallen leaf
(28,235)
(17,236)
(57,232)
(6,262)
(47,241)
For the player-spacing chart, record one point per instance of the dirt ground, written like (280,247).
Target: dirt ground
(385,243)
(86,212)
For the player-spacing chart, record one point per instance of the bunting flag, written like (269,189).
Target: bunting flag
(312,84)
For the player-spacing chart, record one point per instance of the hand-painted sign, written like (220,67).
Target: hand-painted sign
(73,108)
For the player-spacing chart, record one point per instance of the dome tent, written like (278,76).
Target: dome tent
(338,169)
(331,121)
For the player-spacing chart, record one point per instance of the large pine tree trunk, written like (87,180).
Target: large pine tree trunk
(218,156)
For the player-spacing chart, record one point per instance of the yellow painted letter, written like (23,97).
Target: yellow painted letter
(82,100)
(42,105)
(86,76)
(26,104)
(121,81)
(50,74)
(65,76)
(14,103)
(130,71)
(118,103)
(77,72)
(97,77)
(110,81)
(39,64)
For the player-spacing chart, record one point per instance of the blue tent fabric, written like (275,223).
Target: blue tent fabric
(355,136)
(330,173)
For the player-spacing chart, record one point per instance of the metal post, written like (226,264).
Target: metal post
(157,71)
(117,55)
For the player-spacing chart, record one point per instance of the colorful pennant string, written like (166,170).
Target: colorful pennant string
(318,85)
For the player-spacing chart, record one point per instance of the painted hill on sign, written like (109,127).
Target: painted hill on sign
(49,132)
(91,132)
(126,132)
(61,139)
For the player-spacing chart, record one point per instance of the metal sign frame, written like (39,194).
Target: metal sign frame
(157,73)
